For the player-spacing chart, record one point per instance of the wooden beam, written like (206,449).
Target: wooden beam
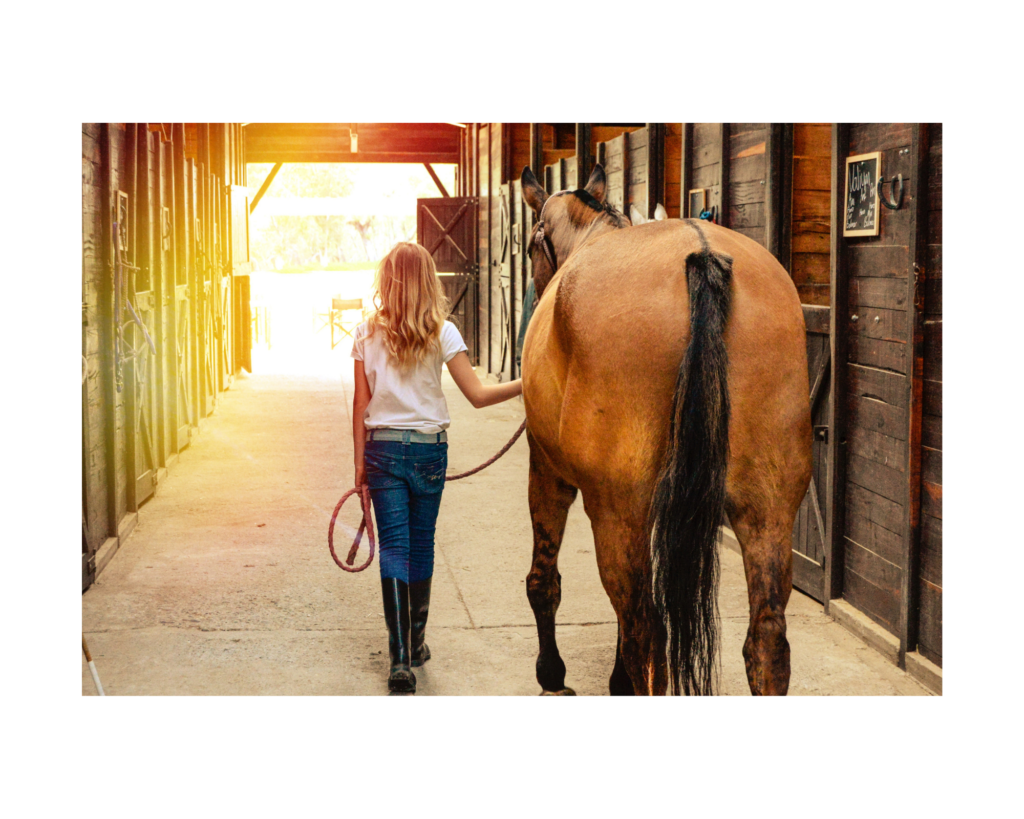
(263,188)
(537,150)
(835,490)
(773,184)
(437,180)
(723,174)
(916,277)
(655,167)
(685,175)
(107,329)
(785,198)
(584,160)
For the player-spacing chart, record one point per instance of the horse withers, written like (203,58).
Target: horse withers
(665,379)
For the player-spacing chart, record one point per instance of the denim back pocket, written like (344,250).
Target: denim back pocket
(380,470)
(429,475)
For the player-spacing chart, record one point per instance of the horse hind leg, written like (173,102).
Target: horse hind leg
(550,498)
(768,566)
(621,546)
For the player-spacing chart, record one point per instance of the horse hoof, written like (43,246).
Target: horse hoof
(565,692)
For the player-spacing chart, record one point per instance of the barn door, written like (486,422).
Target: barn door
(809,529)
(143,294)
(507,358)
(447,227)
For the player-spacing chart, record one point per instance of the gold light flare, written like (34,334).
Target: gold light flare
(297,305)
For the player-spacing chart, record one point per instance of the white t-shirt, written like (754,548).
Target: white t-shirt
(409,398)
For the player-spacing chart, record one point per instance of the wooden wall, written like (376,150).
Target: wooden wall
(811,220)
(930,565)
(876,372)
(673,169)
(176,266)
(747,174)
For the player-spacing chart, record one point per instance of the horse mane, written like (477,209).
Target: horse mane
(603,208)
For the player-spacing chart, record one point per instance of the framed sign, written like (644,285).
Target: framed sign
(862,174)
(697,202)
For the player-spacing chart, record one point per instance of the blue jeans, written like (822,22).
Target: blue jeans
(406,480)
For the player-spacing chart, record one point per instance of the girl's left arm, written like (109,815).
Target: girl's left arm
(359,404)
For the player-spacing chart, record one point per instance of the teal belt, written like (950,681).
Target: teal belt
(407,436)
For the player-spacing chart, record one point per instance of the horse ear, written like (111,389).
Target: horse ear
(635,216)
(533,193)
(660,214)
(596,184)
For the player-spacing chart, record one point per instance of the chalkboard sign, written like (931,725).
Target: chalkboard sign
(862,194)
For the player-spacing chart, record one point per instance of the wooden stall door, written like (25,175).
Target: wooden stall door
(809,224)
(810,527)
(447,227)
(144,294)
(506,331)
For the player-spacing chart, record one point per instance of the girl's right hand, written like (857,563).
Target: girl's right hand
(360,477)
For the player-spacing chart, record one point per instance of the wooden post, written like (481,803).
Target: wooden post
(685,174)
(436,178)
(773,182)
(107,330)
(263,188)
(916,277)
(785,198)
(835,493)
(723,174)
(537,150)
(584,160)
(625,173)
(655,167)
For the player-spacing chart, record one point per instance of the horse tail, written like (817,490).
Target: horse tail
(689,500)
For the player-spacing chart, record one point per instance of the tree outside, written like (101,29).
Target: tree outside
(334,216)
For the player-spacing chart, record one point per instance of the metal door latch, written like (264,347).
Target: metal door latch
(821,434)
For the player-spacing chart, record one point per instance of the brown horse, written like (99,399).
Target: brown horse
(665,378)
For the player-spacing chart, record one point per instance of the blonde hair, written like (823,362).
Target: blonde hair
(411,304)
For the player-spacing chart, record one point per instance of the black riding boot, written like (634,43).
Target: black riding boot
(419,607)
(396,615)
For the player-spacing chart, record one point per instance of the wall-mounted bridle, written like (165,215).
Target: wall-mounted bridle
(542,236)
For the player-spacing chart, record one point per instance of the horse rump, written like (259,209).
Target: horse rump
(689,499)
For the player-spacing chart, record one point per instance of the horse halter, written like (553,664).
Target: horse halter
(542,236)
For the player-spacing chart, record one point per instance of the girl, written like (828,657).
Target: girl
(399,418)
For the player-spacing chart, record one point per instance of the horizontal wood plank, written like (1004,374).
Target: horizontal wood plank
(867,598)
(887,355)
(812,139)
(931,465)
(878,447)
(807,242)
(930,622)
(812,173)
(931,431)
(811,268)
(747,169)
(931,549)
(890,294)
(878,261)
(814,294)
(876,477)
(881,511)
(931,499)
(812,206)
(816,319)
(878,539)
(746,216)
(873,322)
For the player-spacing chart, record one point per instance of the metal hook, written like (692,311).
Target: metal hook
(895,183)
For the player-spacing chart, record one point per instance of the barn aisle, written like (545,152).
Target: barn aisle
(227,586)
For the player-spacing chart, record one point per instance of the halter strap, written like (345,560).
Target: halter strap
(545,241)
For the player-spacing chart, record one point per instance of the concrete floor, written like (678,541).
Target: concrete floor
(227,585)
